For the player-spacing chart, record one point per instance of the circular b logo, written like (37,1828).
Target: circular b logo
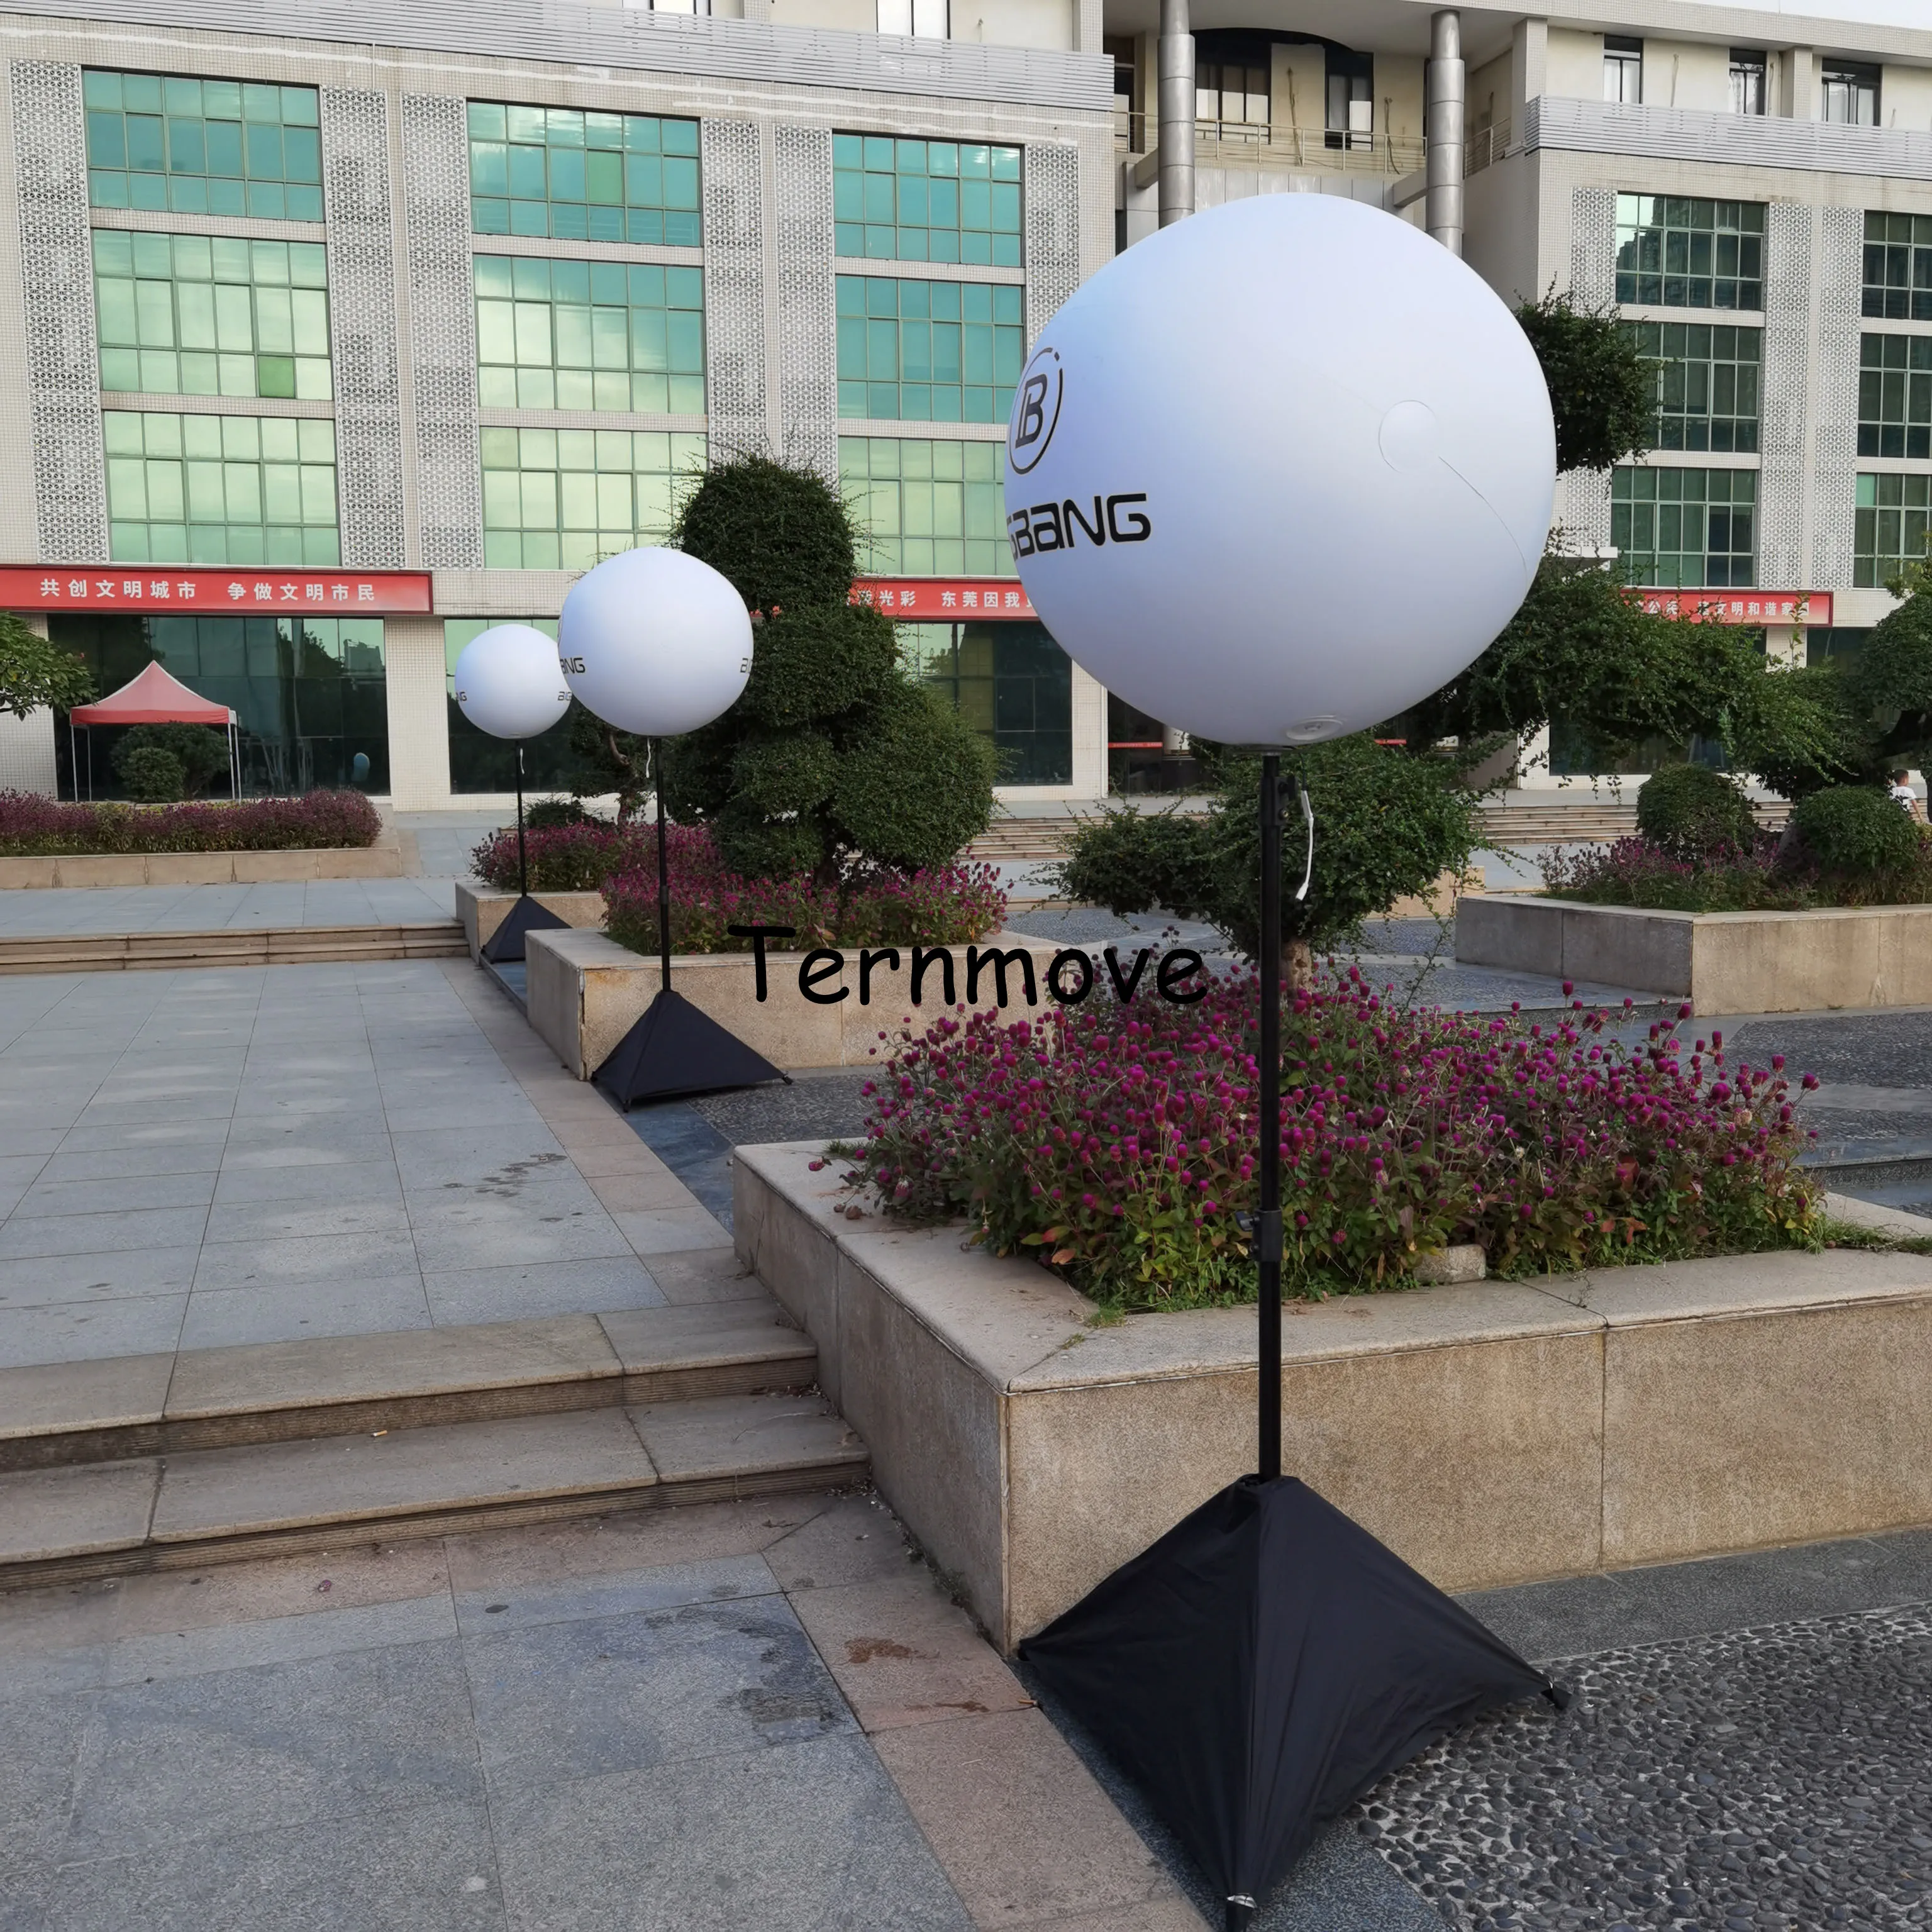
(1036,410)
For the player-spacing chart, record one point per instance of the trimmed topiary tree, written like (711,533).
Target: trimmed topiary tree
(152,773)
(1855,832)
(835,758)
(201,751)
(1693,813)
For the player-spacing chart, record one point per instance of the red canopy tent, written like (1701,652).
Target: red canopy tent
(153,697)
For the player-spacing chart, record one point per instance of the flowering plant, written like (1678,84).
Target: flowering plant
(1119,1145)
(31,826)
(566,858)
(1735,878)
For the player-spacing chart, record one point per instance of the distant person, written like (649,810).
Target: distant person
(1900,789)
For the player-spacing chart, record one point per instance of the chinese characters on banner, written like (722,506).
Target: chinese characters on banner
(1748,607)
(944,600)
(336,593)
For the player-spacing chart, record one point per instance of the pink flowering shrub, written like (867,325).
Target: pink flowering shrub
(31,826)
(1118,1143)
(1637,872)
(569,858)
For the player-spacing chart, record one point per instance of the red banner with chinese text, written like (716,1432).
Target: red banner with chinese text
(945,600)
(122,586)
(1739,607)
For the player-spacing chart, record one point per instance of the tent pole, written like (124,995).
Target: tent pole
(72,763)
(90,764)
(664,866)
(1268,1224)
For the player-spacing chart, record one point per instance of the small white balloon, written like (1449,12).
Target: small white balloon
(1280,470)
(656,642)
(508,683)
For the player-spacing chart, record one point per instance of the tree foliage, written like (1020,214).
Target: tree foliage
(199,752)
(36,675)
(834,759)
(1386,825)
(1602,391)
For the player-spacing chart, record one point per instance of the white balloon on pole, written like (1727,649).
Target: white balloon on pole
(656,642)
(1280,470)
(508,682)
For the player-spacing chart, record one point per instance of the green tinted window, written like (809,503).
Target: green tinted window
(926,201)
(1895,395)
(589,335)
(928,352)
(216,490)
(566,499)
(589,177)
(929,509)
(1707,388)
(199,315)
(1011,682)
(1894,517)
(478,763)
(202,147)
(1685,527)
(1681,252)
(1898,267)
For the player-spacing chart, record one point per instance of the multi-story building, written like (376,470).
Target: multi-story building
(329,336)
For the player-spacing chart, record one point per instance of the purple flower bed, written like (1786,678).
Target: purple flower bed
(1118,1144)
(33,827)
(1635,872)
(573,858)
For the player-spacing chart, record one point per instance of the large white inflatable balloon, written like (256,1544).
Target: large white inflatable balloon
(1280,470)
(656,642)
(508,683)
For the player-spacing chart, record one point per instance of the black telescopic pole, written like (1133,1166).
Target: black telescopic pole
(522,857)
(664,867)
(1267,1224)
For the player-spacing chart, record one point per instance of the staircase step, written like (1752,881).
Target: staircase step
(79,1413)
(229,946)
(70,1524)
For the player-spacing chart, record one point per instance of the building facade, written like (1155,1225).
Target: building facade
(446,311)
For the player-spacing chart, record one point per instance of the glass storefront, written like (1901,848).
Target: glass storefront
(1013,684)
(480,763)
(309,693)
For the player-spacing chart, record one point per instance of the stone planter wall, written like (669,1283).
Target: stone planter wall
(584,991)
(1722,962)
(482,909)
(382,860)
(1491,1433)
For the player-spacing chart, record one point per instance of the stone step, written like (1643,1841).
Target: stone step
(91,1519)
(68,1413)
(229,946)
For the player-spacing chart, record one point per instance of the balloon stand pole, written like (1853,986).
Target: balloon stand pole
(1266,1661)
(506,946)
(675,1047)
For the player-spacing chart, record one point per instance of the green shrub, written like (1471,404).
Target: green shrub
(834,759)
(1856,831)
(201,752)
(549,812)
(1692,812)
(152,774)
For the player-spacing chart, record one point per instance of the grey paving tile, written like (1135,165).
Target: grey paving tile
(372,1179)
(382,1731)
(221,1318)
(103,1136)
(427,1157)
(407,1116)
(558,1701)
(37,1769)
(671,1230)
(85,1331)
(478,1231)
(308,1140)
(427,1869)
(275,1220)
(119,1391)
(203,1651)
(79,1510)
(122,1163)
(49,1280)
(99,1233)
(596,1286)
(499,1610)
(835,1850)
(123,1193)
(245,1263)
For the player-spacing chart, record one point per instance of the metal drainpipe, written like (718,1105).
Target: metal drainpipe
(1176,119)
(1442,122)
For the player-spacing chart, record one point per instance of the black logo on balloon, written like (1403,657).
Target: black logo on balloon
(1036,410)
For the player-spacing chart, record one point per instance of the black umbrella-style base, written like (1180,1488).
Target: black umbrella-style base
(675,1048)
(506,944)
(1260,1667)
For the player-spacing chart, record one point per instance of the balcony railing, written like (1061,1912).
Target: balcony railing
(1231,143)
(1485,145)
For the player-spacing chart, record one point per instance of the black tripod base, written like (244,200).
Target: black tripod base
(675,1048)
(506,942)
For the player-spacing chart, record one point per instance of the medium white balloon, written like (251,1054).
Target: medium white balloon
(508,683)
(656,642)
(1280,470)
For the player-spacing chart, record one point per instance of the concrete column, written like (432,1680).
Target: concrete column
(412,659)
(1177,112)
(1797,84)
(1442,121)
